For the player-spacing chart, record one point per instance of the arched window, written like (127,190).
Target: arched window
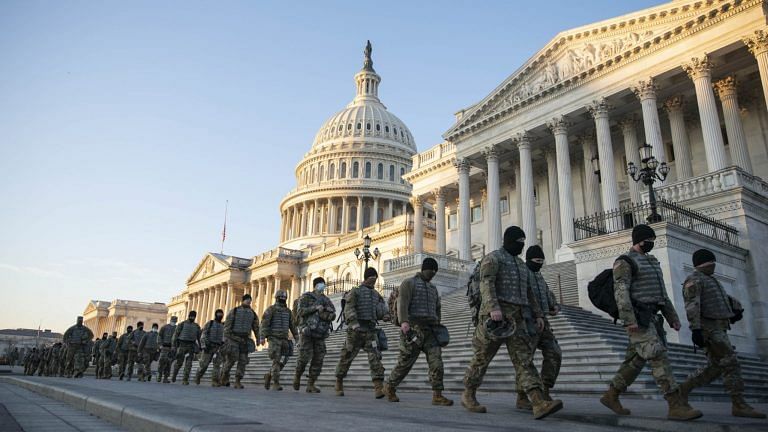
(386,129)
(380,172)
(314,175)
(341,128)
(391,173)
(332,171)
(343,173)
(349,127)
(359,125)
(366,217)
(355,169)
(402,173)
(322,171)
(378,127)
(367,170)
(352,224)
(394,129)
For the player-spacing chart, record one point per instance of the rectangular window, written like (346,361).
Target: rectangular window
(453,220)
(504,205)
(476,214)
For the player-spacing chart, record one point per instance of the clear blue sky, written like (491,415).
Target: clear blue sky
(125,125)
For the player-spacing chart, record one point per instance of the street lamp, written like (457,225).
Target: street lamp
(651,171)
(366,254)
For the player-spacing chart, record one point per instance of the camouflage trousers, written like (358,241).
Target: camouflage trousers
(185,353)
(409,353)
(106,365)
(147,357)
(312,352)
(721,361)
(551,355)
(164,364)
(355,341)
(277,347)
(212,352)
(122,361)
(519,347)
(76,359)
(134,358)
(647,345)
(53,366)
(234,351)
(97,363)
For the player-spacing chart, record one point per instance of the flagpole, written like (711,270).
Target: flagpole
(224,231)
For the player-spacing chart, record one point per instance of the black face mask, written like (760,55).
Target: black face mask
(281,302)
(514,248)
(534,266)
(219,317)
(647,246)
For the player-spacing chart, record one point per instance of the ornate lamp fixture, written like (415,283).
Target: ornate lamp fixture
(650,172)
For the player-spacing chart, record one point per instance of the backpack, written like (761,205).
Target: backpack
(473,294)
(392,305)
(601,292)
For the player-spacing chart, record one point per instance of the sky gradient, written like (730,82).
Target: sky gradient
(124,126)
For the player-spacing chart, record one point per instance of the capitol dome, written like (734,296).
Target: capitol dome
(352,176)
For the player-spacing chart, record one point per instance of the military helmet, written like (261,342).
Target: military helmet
(498,330)
(281,295)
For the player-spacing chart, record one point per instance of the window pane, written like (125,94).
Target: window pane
(355,169)
(380,172)
(504,205)
(391,173)
(477,213)
(367,170)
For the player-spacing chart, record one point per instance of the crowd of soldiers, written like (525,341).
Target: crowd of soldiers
(512,303)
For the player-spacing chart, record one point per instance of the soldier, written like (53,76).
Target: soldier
(275,325)
(212,340)
(64,365)
(148,349)
(97,354)
(133,348)
(44,358)
(364,306)
(122,351)
(166,351)
(544,340)
(711,311)
(107,348)
(55,360)
(240,322)
(315,314)
(77,338)
(506,289)
(419,313)
(31,361)
(186,340)
(14,356)
(640,294)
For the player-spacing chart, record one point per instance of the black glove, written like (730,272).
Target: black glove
(737,316)
(698,338)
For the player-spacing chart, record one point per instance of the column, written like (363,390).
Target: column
(254,291)
(418,225)
(559,128)
(758,46)
(390,208)
(674,108)
(359,221)
(465,235)
(344,215)
(554,198)
(375,212)
(228,298)
(492,185)
(609,187)
(405,207)
(592,203)
(737,141)
(646,92)
(331,228)
(440,221)
(699,70)
(631,151)
(277,284)
(525,184)
(295,292)
(262,295)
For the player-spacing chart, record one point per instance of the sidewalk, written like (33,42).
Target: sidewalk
(173,407)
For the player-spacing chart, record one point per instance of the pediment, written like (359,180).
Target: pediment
(573,55)
(209,265)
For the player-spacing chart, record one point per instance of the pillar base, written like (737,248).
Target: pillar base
(564,254)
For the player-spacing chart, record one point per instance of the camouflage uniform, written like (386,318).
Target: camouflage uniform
(122,352)
(275,325)
(239,324)
(134,355)
(364,306)
(107,349)
(213,339)
(186,339)
(314,327)
(166,352)
(77,338)
(648,344)
(422,325)
(148,348)
(96,354)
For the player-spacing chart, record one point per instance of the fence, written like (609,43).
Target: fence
(342,286)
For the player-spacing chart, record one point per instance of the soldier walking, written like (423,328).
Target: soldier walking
(166,351)
(186,340)
(133,348)
(76,338)
(364,306)
(122,351)
(148,349)
(54,361)
(97,354)
(275,325)
(212,340)
(419,313)
(506,289)
(240,322)
(315,314)
(107,348)
(640,294)
(711,311)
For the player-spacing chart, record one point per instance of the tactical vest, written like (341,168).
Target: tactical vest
(541,290)
(109,345)
(136,338)
(126,339)
(367,298)
(167,334)
(511,279)
(189,332)
(424,300)
(281,321)
(76,335)
(243,321)
(151,341)
(648,283)
(215,333)
(714,301)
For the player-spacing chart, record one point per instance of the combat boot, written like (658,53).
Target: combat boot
(610,400)
(522,402)
(542,407)
(391,393)
(215,381)
(469,401)
(297,381)
(238,384)
(545,392)
(185,381)
(159,377)
(224,382)
(686,388)
(741,408)
(276,385)
(267,380)
(679,409)
(378,388)
(197,378)
(439,399)
(165,379)
(311,386)
(339,386)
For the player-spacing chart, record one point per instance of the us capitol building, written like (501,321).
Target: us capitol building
(548,150)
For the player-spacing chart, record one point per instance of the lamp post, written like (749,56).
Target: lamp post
(367,253)
(651,171)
